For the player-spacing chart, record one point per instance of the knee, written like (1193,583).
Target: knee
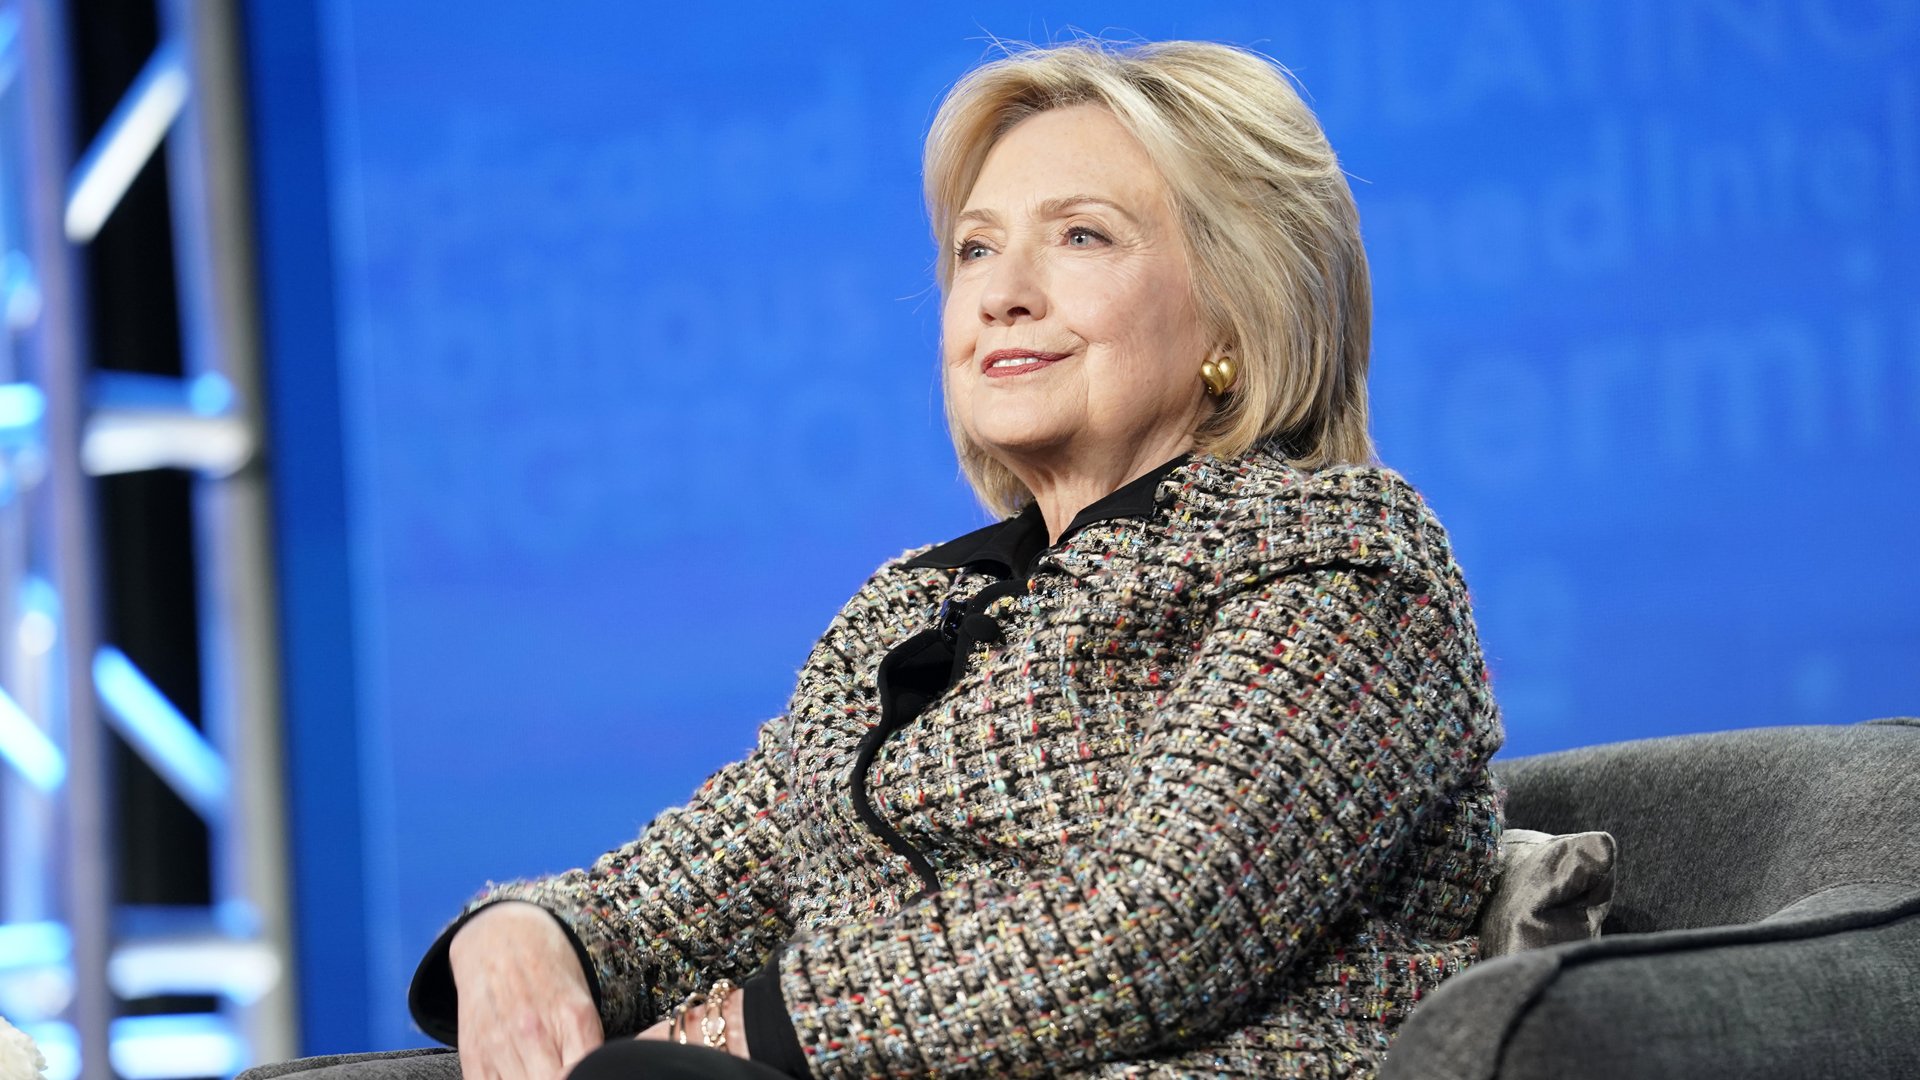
(615,1060)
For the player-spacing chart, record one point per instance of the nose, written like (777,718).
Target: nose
(1014,290)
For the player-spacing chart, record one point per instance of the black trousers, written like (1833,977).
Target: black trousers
(634,1059)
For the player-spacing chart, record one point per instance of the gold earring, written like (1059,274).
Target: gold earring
(1218,373)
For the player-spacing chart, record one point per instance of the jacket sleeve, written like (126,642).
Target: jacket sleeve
(1322,718)
(693,898)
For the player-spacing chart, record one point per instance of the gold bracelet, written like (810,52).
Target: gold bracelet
(713,1026)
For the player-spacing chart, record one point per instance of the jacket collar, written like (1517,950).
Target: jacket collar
(1010,546)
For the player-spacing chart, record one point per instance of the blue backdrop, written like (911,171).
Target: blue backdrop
(602,344)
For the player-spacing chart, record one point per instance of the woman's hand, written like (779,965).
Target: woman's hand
(731,1009)
(526,1011)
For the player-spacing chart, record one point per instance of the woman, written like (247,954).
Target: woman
(1180,769)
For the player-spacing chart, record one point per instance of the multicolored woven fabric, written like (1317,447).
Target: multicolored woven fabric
(1217,803)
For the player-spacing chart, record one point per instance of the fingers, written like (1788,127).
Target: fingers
(476,1058)
(475,1061)
(534,1052)
(553,1033)
(578,1039)
(533,1056)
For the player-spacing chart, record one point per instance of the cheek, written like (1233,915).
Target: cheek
(957,339)
(958,330)
(1145,323)
(1166,324)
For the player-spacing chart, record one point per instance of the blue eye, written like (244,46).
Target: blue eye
(1081,236)
(968,250)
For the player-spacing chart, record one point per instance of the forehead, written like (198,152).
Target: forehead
(1078,149)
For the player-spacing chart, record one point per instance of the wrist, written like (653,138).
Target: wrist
(497,918)
(735,1011)
(716,1019)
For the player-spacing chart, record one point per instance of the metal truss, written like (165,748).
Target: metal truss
(68,958)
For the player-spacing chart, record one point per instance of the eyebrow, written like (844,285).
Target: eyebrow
(1057,207)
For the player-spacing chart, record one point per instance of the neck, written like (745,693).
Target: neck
(1064,488)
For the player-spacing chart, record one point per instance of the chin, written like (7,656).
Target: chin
(1020,432)
(1025,408)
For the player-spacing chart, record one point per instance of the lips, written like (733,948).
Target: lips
(1003,363)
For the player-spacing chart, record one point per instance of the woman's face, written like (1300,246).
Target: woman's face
(1070,337)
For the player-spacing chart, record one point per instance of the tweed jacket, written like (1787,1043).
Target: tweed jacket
(1209,797)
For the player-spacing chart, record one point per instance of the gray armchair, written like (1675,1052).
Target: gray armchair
(1765,920)
(1765,923)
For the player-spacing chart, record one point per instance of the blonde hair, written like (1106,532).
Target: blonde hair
(1268,221)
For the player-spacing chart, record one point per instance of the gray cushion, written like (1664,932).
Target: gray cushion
(1551,890)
